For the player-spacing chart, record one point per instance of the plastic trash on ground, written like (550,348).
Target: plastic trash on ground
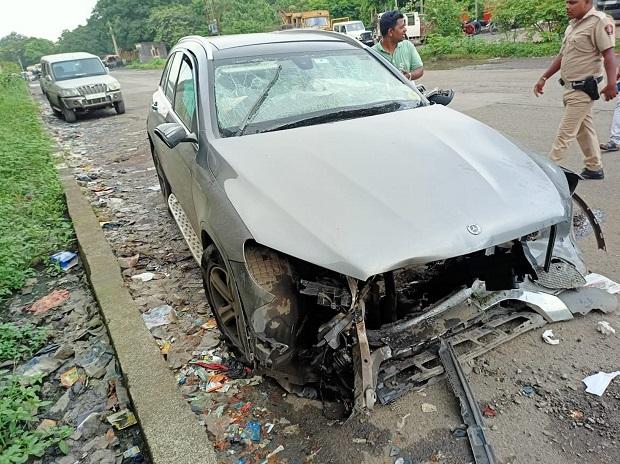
(49,301)
(605,328)
(122,419)
(159,316)
(602,282)
(548,337)
(597,384)
(65,259)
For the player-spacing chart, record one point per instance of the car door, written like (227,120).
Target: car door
(185,112)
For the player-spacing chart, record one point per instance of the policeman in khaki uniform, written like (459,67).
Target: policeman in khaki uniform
(588,45)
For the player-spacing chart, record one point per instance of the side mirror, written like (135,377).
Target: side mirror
(440,97)
(172,133)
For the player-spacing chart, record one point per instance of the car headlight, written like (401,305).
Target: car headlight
(69,93)
(114,86)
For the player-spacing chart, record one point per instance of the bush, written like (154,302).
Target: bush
(157,63)
(444,17)
(17,343)
(464,47)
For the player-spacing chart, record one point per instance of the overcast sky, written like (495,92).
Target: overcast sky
(43,18)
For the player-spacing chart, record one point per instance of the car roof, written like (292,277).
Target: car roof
(67,57)
(227,42)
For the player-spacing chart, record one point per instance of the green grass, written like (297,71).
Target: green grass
(157,63)
(471,47)
(20,342)
(33,221)
(19,439)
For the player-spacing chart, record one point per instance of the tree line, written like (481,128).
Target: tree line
(168,20)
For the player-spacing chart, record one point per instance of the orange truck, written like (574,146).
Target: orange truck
(316,19)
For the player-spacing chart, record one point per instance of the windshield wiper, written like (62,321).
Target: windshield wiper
(340,115)
(259,102)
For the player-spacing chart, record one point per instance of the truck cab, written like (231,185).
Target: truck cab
(356,30)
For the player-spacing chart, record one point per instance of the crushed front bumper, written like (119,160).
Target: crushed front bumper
(403,356)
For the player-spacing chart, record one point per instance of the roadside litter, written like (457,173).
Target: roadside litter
(605,328)
(69,377)
(597,384)
(548,337)
(156,317)
(144,277)
(65,259)
(127,262)
(602,282)
(50,301)
(122,419)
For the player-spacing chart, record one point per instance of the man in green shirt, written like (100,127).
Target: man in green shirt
(396,48)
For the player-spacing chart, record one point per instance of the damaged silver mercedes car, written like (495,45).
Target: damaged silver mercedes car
(344,224)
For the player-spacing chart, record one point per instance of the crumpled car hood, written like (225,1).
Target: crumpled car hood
(75,83)
(369,195)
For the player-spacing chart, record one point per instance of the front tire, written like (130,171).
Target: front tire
(69,115)
(221,290)
(119,107)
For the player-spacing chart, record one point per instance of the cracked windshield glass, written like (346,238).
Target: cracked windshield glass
(308,85)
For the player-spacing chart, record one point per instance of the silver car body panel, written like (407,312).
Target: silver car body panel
(336,204)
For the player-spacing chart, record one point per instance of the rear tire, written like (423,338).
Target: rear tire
(69,115)
(119,107)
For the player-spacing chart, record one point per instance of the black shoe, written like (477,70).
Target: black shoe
(593,175)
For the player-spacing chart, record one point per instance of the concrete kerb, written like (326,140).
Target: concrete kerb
(170,428)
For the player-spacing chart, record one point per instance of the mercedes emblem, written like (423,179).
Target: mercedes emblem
(474,229)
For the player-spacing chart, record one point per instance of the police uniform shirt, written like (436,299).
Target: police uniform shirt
(584,41)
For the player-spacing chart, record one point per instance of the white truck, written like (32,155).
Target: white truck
(356,30)
(413,22)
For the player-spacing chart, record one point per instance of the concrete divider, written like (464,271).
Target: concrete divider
(170,428)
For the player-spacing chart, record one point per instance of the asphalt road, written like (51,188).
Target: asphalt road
(551,426)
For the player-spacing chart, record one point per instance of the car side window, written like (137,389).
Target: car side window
(185,95)
(172,76)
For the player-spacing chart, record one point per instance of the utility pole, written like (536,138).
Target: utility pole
(116,51)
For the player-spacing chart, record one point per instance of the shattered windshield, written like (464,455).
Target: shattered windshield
(77,68)
(308,84)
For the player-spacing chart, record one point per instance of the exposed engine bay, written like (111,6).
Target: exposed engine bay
(362,342)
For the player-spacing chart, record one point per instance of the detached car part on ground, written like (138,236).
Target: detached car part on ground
(344,224)
(78,82)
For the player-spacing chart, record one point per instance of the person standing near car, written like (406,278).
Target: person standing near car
(396,48)
(587,52)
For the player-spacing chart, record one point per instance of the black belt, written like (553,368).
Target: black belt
(579,84)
